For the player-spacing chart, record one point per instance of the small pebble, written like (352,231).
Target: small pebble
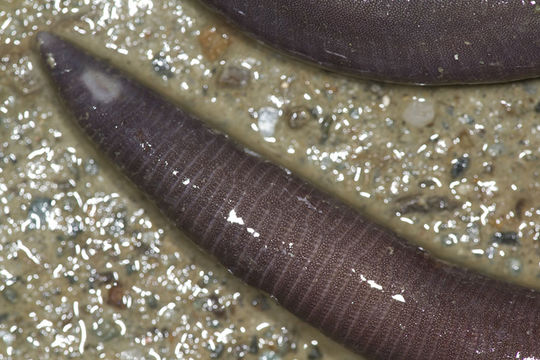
(261,302)
(38,212)
(297,116)
(7,337)
(10,295)
(161,66)
(254,345)
(151,301)
(473,231)
(449,239)
(269,355)
(326,125)
(505,238)
(419,112)
(116,297)
(537,107)
(459,166)
(107,330)
(234,76)
(217,351)
(356,112)
(213,305)
(419,204)
(267,120)
(25,78)
(214,43)
(514,265)
(314,353)
(495,149)
(75,227)
(90,167)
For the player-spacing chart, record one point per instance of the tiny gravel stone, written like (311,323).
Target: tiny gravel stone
(419,112)
(161,66)
(261,302)
(440,203)
(107,330)
(151,301)
(505,238)
(38,212)
(10,295)
(234,76)
(91,167)
(473,231)
(132,354)
(459,166)
(213,305)
(268,118)
(449,239)
(326,124)
(7,337)
(419,204)
(495,149)
(515,265)
(269,355)
(214,43)
(314,353)
(254,345)
(25,78)
(107,277)
(131,269)
(356,112)
(75,227)
(537,107)
(115,297)
(298,116)
(3,317)
(217,351)
(519,207)
(71,279)
(466,119)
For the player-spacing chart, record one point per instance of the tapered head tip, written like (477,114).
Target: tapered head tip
(49,45)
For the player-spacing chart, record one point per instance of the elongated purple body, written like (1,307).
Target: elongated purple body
(353,279)
(405,41)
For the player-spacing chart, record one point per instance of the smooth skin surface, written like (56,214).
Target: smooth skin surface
(404,41)
(355,280)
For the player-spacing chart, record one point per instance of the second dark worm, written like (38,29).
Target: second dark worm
(404,41)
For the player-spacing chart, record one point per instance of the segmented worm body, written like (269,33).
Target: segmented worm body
(404,41)
(355,280)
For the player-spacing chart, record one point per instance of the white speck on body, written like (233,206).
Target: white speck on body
(234,219)
(374,285)
(51,62)
(103,88)
(398,297)
(253,232)
(306,201)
